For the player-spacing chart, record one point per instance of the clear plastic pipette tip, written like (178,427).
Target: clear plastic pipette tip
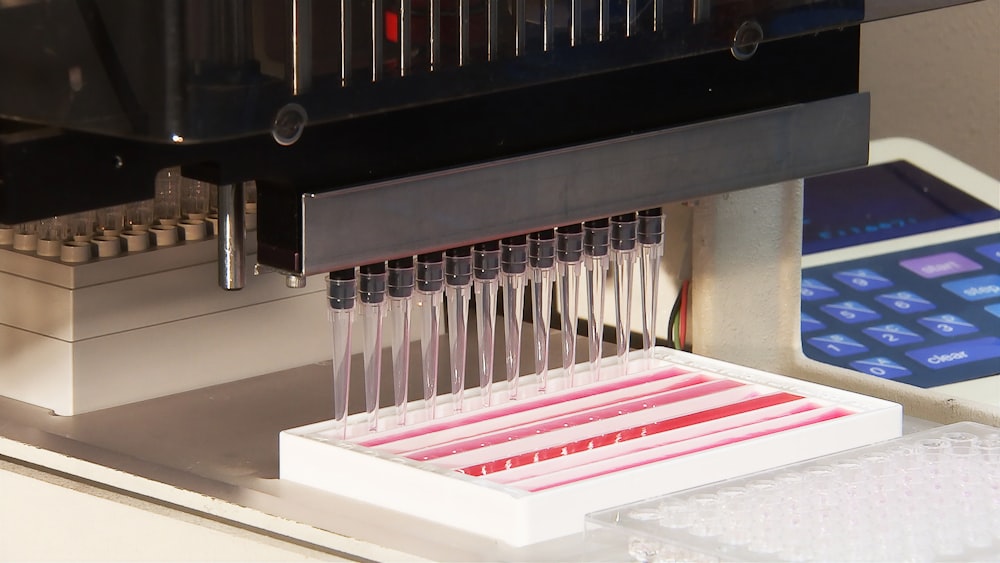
(400,290)
(486,274)
(371,292)
(513,265)
(541,259)
(595,250)
(650,237)
(569,253)
(458,286)
(430,287)
(341,290)
(623,250)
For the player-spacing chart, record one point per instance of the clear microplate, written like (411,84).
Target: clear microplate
(929,496)
(527,470)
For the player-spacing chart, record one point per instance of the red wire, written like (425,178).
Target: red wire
(682,313)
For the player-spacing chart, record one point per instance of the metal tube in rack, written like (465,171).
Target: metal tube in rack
(629,17)
(346,40)
(603,20)
(576,22)
(232,236)
(435,35)
(405,37)
(378,36)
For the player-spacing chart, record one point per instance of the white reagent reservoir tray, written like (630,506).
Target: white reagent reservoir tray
(528,470)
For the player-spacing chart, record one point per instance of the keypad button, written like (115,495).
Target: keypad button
(975,289)
(881,367)
(905,302)
(810,324)
(850,312)
(815,290)
(838,345)
(948,325)
(863,279)
(940,265)
(991,251)
(993,309)
(893,335)
(957,353)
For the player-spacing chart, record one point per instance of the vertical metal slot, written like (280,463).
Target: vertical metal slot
(405,45)
(435,23)
(520,28)
(463,32)
(345,41)
(493,29)
(378,36)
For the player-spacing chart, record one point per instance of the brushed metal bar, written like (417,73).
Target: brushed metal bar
(629,17)
(603,20)
(576,22)
(232,237)
(548,24)
(520,27)
(657,15)
(518,195)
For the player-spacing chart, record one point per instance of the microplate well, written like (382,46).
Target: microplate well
(528,470)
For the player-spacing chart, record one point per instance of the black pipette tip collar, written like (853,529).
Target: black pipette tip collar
(400,280)
(514,255)
(650,229)
(623,231)
(430,271)
(486,260)
(595,237)
(458,266)
(341,287)
(542,249)
(569,243)
(371,283)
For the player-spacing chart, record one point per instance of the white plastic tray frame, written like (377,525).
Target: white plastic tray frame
(314,455)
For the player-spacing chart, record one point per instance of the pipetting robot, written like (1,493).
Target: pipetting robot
(389,169)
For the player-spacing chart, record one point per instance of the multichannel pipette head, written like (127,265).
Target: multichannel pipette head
(486,274)
(458,280)
(650,237)
(341,292)
(513,266)
(371,293)
(542,261)
(569,253)
(430,286)
(399,287)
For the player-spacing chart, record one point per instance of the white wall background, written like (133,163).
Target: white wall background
(936,77)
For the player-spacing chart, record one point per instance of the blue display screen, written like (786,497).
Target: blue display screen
(882,202)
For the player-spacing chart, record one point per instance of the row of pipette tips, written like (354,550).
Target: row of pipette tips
(401,289)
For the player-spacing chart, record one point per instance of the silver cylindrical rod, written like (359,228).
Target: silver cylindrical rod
(604,20)
(463,32)
(435,7)
(492,29)
(302,34)
(232,235)
(378,36)
(520,30)
(629,17)
(346,39)
(701,11)
(405,42)
(657,15)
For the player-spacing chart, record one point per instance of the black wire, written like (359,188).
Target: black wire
(673,315)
